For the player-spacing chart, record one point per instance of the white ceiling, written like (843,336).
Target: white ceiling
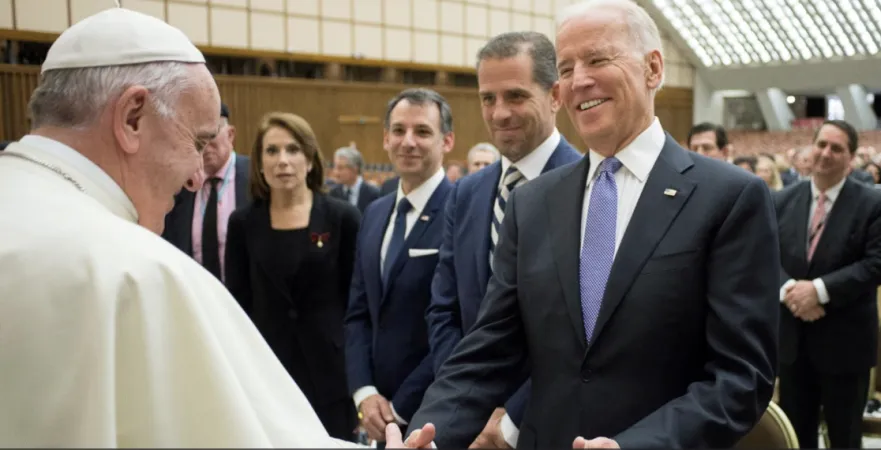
(798,46)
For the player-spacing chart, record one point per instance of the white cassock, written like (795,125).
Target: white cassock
(111,337)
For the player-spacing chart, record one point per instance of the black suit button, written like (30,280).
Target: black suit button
(292,313)
(585,376)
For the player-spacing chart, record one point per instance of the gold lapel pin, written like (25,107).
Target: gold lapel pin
(670,192)
(424,218)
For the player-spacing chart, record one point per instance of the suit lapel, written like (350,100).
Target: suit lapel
(241,181)
(564,208)
(485,193)
(187,201)
(654,213)
(372,253)
(836,224)
(802,212)
(433,209)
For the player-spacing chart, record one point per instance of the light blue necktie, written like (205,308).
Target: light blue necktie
(598,250)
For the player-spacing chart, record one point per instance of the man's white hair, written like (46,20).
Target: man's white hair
(484,147)
(644,34)
(74,98)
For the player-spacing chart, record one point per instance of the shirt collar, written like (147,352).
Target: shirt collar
(639,156)
(94,180)
(831,193)
(419,197)
(357,186)
(535,161)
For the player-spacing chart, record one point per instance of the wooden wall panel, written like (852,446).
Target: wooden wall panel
(339,112)
(16,85)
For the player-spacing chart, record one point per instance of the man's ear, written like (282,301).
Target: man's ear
(129,114)
(654,69)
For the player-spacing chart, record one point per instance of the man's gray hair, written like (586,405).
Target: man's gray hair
(644,34)
(421,96)
(484,147)
(351,155)
(75,98)
(539,48)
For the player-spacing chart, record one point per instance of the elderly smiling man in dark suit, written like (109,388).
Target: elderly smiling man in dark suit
(637,287)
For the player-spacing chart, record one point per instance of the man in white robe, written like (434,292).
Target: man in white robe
(110,336)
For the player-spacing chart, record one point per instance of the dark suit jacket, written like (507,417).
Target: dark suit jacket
(463,271)
(386,335)
(862,176)
(685,347)
(179,222)
(299,310)
(389,186)
(789,177)
(366,194)
(848,260)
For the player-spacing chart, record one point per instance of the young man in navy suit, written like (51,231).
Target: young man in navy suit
(387,353)
(517,77)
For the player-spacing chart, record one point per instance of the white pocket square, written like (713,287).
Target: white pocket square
(417,252)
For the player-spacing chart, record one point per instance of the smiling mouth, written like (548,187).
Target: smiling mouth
(592,104)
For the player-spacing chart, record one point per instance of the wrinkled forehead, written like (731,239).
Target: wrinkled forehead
(200,106)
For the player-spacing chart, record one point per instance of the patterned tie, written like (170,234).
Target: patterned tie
(598,250)
(513,178)
(397,241)
(817,224)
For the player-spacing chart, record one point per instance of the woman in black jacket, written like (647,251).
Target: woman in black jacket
(289,259)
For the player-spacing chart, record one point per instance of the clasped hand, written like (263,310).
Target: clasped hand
(803,302)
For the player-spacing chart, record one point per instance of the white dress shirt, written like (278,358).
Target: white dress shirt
(418,198)
(831,196)
(532,164)
(637,160)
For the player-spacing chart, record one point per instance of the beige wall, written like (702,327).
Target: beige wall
(444,32)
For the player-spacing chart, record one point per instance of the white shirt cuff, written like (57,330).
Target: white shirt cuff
(362,393)
(510,431)
(822,293)
(397,417)
(783,289)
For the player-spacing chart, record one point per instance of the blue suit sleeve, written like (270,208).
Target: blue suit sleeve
(358,325)
(443,314)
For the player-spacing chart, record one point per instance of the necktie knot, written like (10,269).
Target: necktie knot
(513,177)
(610,165)
(214,182)
(821,198)
(404,206)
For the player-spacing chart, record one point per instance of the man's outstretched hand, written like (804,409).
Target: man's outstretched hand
(599,442)
(421,438)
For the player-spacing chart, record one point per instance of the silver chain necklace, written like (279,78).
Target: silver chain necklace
(47,166)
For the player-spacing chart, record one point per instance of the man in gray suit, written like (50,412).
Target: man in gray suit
(638,286)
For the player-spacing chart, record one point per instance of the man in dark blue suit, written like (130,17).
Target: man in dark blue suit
(387,353)
(638,287)
(197,223)
(517,77)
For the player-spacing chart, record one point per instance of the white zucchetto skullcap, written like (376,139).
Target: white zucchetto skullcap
(117,37)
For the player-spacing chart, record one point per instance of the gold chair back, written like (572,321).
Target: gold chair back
(773,431)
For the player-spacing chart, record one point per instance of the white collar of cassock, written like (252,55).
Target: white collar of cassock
(94,181)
